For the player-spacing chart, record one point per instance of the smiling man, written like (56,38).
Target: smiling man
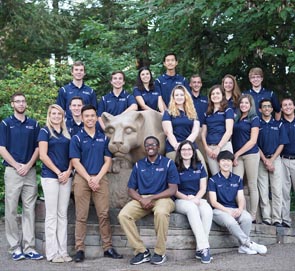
(76,88)
(168,80)
(92,159)
(19,150)
(117,101)
(227,199)
(271,140)
(152,183)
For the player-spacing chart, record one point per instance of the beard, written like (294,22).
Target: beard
(20,110)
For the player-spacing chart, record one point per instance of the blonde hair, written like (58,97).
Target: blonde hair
(256,71)
(188,106)
(62,125)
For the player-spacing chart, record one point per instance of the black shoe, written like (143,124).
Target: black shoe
(285,225)
(141,258)
(277,224)
(80,256)
(266,222)
(112,253)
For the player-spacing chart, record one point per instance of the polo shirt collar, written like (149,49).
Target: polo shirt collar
(157,161)
(260,91)
(17,120)
(120,95)
(220,175)
(270,121)
(72,83)
(166,76)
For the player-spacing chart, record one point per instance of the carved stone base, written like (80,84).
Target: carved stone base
(180,240)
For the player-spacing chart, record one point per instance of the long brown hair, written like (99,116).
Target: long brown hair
(223,103)
(236,92)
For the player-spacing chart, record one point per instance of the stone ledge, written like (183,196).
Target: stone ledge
(180,240)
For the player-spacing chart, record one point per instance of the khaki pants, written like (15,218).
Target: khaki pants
(199,218)
(57,196)
(249,164)
(212,163)
(133,211)
(288,182)
(83,194)
(25,187)
(271,212)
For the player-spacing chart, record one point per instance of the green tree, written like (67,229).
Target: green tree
(31,30)
(214,37)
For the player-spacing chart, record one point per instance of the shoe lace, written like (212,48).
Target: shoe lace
(205,252)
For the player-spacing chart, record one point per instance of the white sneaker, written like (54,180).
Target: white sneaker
(246,250)
(261,249)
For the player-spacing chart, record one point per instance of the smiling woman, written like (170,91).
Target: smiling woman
(180,121)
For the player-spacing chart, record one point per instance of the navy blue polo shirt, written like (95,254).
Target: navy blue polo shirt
(153,178)
(226,189)
(190,179)
(58,152)
(150,97)
(271,135)
(201,105)
(67,92)
(73,127)
(216,125)
(165,83)
(182,127)
(90,151)
(114,105)
(289,149)
(264,94)
(19,138)
(242,134)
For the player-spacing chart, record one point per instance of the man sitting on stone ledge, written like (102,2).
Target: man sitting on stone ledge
(227,198)
(152,182)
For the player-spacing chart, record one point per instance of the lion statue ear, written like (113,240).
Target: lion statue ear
(106,118)
(140,119)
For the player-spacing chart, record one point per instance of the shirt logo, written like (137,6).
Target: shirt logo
(99,140)
(30,127)
(11,127)
(274,128)
(160,169)
(84,92)
(234,185)
(122,99)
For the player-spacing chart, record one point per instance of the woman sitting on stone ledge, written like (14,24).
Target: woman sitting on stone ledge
(192,187)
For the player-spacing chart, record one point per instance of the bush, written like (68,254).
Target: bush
(35,81)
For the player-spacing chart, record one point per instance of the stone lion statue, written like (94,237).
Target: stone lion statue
(127,133)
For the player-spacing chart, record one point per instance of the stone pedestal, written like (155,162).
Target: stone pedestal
(180,240)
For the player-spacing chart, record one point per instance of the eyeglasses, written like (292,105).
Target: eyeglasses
(266,106)
(151,145)
(189,149)
(255,77)
(19,101)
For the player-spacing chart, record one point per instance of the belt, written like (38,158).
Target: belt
(290,157)
(269,156)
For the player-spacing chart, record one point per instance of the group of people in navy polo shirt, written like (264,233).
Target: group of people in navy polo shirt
(236,135)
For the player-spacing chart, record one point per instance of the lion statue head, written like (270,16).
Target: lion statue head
(127,133)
